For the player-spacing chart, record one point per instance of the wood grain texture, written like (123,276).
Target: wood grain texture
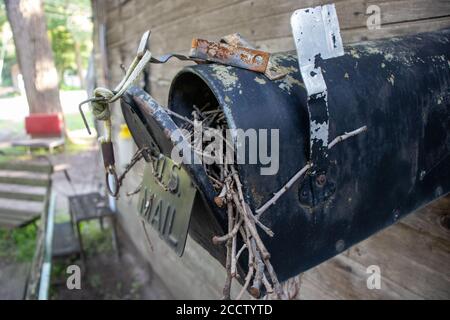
(413,256)
(265,23)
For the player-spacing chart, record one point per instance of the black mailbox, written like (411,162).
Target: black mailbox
(398,88)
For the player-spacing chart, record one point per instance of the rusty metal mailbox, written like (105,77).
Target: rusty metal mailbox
(398,88)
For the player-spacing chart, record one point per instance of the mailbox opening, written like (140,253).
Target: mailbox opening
(189,90)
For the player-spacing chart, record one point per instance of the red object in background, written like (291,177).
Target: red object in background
(44,124)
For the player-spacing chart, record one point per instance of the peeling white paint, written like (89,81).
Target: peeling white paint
(288,82)
(260,80)
(391,79)
(228,78)
(388,56)
(355,54)
(319,131)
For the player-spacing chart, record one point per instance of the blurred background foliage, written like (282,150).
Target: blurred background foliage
(69,25)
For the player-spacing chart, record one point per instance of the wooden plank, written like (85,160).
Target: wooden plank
(397,29)
(414,261)
(258,21)
(151,14)
(162,75)
(344,278)
(361,34)
(40,167)
(21,192)
(11,222)
(65,242)
(13,279)
(24,177)
(22,196)
(20,208)
(430,220)
(18,214)
(414,264)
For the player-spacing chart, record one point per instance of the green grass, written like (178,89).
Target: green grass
(9,95)
(12,126)
(96,240)
(75,122)
(66,87)
(18,245)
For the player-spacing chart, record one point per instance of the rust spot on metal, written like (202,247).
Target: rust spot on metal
(167,132)
(144,107)
(219,201)
(321,180)
(236,56)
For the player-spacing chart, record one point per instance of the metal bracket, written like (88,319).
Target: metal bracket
(241,57)
(317,37)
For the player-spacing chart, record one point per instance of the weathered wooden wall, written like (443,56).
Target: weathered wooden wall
(413,255)
(266,23)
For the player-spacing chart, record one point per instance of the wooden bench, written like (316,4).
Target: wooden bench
(45,131)
(25,196)
(24,192)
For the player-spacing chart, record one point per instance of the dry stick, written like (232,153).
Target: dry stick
(229,235)
(245,206)
(172,113)
(216,181)
(303,170)
(345,136)
(250,263)
(267,284)
(247,282)
(255,289)
(244,246)
(249,224)
(233,256)
(276,284)
(285,188)
(227,287)
(266,229)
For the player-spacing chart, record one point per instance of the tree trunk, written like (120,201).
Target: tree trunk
(34,54)
(79,64)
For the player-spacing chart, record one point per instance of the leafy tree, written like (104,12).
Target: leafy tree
(35,56)
(70,30)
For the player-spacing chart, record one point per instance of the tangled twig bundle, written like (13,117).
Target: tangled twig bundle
(243,225)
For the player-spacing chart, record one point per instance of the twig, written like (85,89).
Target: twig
(246,235)
(176,115)
(246,283)
(266,229)
(266,283)
(227,286)
(244,246)
(303,170)
(255,289)
(229,235)
(233,257)
(276,284)
(244,205)
(280,192)
(345,136)
(249,224)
